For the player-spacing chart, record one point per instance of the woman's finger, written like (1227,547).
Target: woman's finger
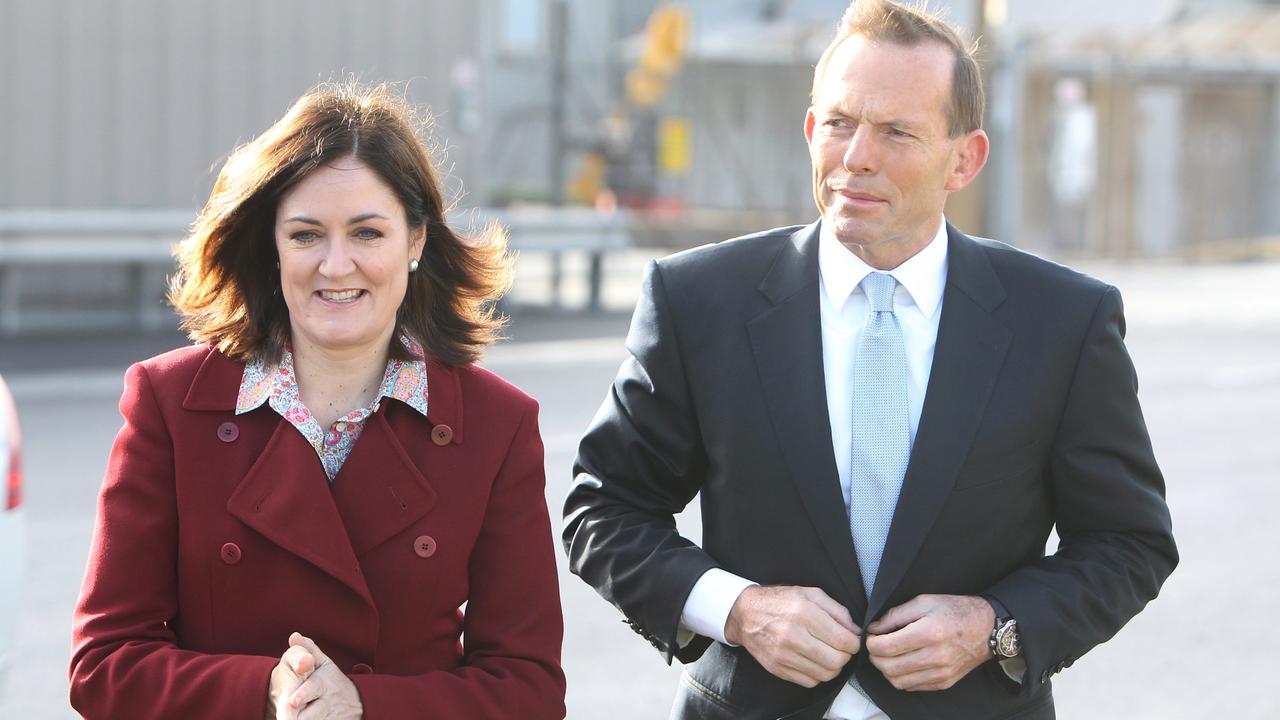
(300,660)
(302,641)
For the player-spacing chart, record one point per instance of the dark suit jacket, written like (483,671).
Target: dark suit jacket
(219,534)
(1030,420)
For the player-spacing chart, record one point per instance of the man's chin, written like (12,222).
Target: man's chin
(850,231)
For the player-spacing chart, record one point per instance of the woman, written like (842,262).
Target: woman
(298,507)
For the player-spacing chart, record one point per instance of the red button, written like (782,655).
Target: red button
(425,546)
(231,553)
(228,432)
(441,434)
(361,669)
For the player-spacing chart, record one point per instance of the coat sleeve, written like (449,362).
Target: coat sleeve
(641,461)
(1116,543)
(513,627)
(125,660)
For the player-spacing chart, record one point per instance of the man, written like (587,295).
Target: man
(885,419)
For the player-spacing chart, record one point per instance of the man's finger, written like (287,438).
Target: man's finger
(905,663)
(927,679)
(801,671)
(838,612)
(898,617)
(918,634)
(831,632)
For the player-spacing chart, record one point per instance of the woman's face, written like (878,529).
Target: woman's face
(344,247)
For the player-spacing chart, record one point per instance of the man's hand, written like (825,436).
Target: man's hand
(796,633)
(317,689)
(931,641)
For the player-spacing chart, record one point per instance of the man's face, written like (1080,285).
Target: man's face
(883,162)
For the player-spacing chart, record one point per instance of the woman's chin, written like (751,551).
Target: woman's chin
(341,337)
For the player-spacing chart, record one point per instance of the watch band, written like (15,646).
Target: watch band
(1004,640)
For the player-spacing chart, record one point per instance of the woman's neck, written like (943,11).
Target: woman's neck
(333,382)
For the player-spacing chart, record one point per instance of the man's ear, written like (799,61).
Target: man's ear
(809,122)
(971,154)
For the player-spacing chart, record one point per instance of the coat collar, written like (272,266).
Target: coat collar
(217,385)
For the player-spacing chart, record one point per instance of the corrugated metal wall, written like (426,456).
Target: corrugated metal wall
(134,103)
(749,151)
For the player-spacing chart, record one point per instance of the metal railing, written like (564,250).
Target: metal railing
(139,244)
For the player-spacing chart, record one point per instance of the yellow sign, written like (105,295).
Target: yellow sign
(675,145)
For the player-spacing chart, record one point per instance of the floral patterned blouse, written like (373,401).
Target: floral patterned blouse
(277,385)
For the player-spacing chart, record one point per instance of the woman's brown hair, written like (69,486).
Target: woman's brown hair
(227,288)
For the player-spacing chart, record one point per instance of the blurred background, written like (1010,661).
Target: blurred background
(1139,140)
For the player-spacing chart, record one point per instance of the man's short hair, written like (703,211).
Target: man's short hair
(888,21)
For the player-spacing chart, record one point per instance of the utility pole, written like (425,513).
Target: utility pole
(559,143)
(559,74)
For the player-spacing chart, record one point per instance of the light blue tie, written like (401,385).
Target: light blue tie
(881,433)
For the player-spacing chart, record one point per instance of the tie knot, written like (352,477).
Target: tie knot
(879,289)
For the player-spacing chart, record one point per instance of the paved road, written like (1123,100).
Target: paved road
(1211,390)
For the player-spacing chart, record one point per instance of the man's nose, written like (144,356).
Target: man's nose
(859,155)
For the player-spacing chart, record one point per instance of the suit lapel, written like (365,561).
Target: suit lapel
(786,340)
(970,350)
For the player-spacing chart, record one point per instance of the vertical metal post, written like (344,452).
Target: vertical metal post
(559,53)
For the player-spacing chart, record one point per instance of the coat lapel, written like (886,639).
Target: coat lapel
(285,497)
(970,350)
(381,490)
(795,392)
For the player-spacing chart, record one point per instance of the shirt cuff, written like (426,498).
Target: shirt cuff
(1015,668)
(707,609)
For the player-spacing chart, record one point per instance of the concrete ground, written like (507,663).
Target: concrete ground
(1206,340)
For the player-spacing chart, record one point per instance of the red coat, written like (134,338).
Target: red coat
(217,535)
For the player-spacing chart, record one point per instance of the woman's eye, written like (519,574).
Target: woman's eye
(304,236)
(368,234)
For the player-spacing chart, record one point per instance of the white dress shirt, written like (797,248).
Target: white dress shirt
(843,309)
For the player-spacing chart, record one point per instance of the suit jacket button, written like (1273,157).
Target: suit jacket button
(361,669)
(425,546)
(231,553)
(441,434)
(228,432)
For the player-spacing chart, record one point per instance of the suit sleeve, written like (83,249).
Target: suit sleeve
(641,462)
(1116,544)
(125,661)
(513,627)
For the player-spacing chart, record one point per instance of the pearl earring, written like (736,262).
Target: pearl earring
(413,265)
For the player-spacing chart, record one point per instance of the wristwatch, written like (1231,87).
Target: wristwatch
(1004,640)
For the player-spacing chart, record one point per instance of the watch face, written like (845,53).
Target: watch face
(1007,644)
